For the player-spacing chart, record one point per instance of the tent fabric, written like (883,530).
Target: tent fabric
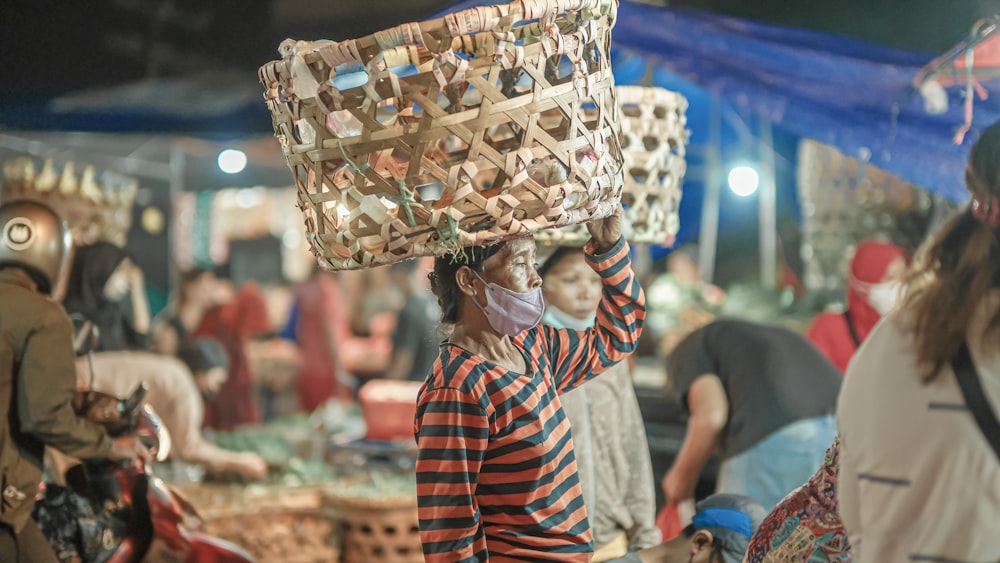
(224,104)
(852,95)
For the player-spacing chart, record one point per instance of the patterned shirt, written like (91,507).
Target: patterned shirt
(496,475)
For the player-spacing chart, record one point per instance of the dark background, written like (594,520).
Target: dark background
(49,46)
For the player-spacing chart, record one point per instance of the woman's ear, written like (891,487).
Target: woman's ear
(467,281)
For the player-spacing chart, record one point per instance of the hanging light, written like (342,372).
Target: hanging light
(232,161)
(743,180)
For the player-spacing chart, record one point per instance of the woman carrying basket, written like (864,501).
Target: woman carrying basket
(496,475)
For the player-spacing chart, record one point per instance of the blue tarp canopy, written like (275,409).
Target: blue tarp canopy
(849,94)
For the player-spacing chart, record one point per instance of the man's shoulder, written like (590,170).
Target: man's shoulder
(30,307)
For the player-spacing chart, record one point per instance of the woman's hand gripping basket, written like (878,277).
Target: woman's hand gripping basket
(653,141)
(480,126)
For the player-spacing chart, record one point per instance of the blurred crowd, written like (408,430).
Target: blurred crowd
(835,460)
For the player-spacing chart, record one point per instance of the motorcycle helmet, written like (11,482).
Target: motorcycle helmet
(34,238)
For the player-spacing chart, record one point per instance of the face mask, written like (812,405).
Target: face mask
(884,297)
(556,318)
(510,312)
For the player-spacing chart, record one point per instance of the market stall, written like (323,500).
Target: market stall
(341,483)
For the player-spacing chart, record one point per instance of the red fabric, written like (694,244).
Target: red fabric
(829,331)
(669,522)
(247,313)
(235,403)
(233,324)
(321,310)
(985,56)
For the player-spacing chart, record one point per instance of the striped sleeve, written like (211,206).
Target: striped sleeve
(452,431)
(578,356)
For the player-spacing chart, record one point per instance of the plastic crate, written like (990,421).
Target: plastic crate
(389,408)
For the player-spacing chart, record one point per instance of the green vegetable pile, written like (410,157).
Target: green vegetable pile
(285,444)
(379,484)
(267,443)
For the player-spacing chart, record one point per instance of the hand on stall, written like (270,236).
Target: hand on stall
(248,465)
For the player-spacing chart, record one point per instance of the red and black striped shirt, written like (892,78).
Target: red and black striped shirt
(496,475)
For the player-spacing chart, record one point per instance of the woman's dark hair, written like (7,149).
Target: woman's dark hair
(443,282)
(92,267)
(192,275)
(188,277)
(955,270)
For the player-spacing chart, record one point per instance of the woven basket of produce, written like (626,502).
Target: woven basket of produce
(483,125)
(653,141)
(378,516)
(274,524)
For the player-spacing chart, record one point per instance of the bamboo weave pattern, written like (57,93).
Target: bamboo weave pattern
(653,141)
(484,125)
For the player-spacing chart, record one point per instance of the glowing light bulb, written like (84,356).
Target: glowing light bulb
(232,161)
(743,180)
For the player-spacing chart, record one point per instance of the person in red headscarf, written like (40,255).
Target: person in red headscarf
(873,288)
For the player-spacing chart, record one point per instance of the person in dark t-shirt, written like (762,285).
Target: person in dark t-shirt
(762,395)
(417,334)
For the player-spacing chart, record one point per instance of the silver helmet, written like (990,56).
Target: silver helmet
(34,238)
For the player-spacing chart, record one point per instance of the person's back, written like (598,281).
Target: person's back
(171,390)
(772,377)
(920,458)
(763,396)
(173,393)
(929,481)
(23,313)
(416,333)
(37,386)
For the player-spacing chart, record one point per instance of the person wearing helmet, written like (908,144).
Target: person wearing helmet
(37,375)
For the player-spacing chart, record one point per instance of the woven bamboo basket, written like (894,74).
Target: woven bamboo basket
(653,141)
(274,524)
(377,530)
(464,130)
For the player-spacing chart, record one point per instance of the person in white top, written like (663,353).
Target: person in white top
(919,479)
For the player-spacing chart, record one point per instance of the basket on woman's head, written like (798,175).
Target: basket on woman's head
(477,127)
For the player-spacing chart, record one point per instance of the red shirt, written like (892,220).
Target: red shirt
(830,331)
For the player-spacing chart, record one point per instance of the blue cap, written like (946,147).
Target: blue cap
(732,519)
